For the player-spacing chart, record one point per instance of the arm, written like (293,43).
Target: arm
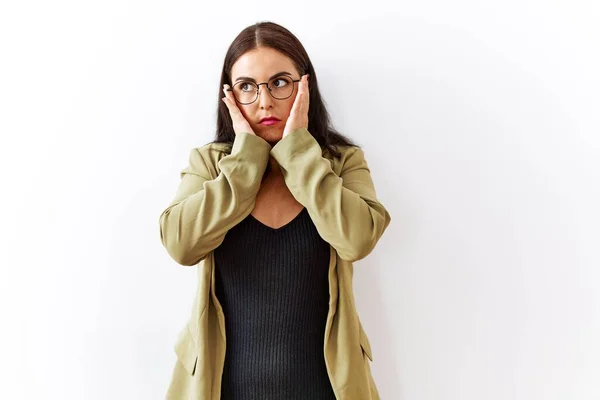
(344,208)
(204,209)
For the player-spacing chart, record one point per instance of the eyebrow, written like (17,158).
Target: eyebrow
(253,80)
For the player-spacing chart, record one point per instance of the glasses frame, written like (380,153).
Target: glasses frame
(258,90)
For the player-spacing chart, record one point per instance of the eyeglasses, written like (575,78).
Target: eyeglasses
(246,92)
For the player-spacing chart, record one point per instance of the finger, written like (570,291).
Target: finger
(302,86)
(230,107)
(229,100)
(301,102)
(304,90)
(297,106)
(227,97)
(229,94)
(298,99)
(307,93)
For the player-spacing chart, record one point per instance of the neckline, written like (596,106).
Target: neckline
(252,217)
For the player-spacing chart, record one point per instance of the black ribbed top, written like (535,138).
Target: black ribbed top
(274,288)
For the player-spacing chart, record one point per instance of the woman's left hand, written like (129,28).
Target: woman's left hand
(299,114)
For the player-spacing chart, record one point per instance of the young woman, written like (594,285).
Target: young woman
(273,211)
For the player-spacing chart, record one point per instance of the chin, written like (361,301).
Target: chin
(271,136)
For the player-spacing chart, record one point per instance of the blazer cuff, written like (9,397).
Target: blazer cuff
(298,139)
(251,145)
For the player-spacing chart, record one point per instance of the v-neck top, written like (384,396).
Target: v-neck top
(281,228)
(273,286)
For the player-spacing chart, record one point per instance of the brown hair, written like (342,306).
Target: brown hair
(269,34)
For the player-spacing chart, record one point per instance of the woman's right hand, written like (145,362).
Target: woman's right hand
(240,124)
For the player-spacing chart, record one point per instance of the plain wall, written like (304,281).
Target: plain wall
(479,120)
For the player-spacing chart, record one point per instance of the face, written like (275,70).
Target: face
(261,64)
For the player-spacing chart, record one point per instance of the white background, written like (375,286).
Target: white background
(480,121)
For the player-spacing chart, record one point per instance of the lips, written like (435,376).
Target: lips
(273,119)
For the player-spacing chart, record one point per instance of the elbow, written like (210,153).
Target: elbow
(181,253)
(177,248)
(187,261)
(183,256)
(357,251)
(362,245)
(354,248)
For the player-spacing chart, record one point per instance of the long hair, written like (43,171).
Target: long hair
(269,34)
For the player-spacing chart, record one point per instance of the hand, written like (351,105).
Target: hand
(299,114)
(240,124)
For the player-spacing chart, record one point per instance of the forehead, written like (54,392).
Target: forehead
(261,63)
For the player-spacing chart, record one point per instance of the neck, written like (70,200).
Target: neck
(272,171)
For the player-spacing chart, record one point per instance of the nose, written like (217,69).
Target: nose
(264,97)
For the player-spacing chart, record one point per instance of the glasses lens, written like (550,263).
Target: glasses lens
(244,92)
(281,88)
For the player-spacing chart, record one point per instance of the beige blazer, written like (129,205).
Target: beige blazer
(217,191)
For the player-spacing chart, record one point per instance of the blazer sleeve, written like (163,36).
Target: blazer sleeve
(344,208)
(204,209)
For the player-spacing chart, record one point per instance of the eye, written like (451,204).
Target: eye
(280,82)
(247,86)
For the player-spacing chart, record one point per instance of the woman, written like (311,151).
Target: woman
(275,210)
